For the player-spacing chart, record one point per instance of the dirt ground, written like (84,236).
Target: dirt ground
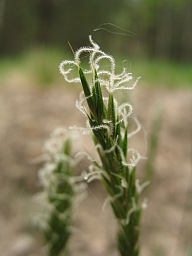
(30,114)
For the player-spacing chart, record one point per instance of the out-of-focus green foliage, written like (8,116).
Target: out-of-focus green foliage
(190,251)
(40,67)
(162,28)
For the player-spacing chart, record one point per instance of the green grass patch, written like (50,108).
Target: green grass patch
(162,73)
(39,66)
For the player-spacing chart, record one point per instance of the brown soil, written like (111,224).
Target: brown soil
(29,115)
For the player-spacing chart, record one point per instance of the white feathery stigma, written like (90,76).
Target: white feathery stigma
(107,77)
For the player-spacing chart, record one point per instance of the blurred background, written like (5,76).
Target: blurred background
(158,35)
(154,40)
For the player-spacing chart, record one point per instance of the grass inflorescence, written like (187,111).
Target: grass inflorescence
(59,194)
(109,124)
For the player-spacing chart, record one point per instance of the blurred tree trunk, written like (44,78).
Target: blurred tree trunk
(164,33)
(2,9)
(187,32)
(163,27)
(45,9)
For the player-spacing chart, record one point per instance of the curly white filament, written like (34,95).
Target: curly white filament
(96,56)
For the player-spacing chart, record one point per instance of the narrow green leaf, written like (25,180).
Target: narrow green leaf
(99,99)
(85,85)
(111,113)
(125,143)
(87,92)
(95,96)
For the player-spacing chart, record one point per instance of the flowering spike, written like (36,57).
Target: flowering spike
(108,122)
